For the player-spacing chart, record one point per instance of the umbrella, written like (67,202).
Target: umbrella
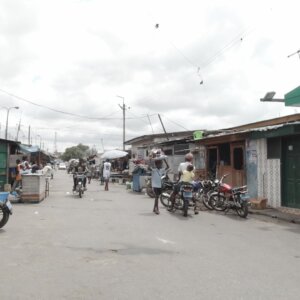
(112,154)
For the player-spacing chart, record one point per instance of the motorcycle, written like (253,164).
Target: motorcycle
(167,188)
(80,177)
(226,197)
(149,189)
(5,208)
(186,195)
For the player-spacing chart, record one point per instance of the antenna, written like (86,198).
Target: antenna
(297,52)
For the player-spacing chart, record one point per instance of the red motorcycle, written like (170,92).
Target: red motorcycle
(226,197)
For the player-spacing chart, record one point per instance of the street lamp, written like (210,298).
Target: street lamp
(8,109)
(269,98)
(123,107)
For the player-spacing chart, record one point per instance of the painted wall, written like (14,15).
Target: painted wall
(251,168)
(268,175)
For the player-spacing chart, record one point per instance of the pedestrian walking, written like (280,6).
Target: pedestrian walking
(156,174)
(106,173)
(18,180)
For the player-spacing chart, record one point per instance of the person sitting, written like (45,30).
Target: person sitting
(188,174)
(80,168)
(187,177)
(181,168)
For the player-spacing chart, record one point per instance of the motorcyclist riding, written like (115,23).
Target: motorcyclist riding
(80,168)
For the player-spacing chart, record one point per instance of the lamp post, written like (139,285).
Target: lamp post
(8,109)
(123,107)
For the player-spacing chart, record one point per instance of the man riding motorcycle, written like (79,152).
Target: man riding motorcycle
(176,189)
(80,168)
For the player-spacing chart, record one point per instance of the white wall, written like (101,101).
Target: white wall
(268,175)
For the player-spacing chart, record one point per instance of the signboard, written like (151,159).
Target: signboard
(198,135)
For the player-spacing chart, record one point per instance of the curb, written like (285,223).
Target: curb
(290,218)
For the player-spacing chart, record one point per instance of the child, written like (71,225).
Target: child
(157,172)
(188,175)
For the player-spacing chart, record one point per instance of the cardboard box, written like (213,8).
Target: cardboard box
(259,203)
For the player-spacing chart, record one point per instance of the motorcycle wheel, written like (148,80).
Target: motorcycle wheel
(206,201)
(242,211)
(217,201)
(165,199)
(150,192)
(80,193)
(185,208)
(4,216)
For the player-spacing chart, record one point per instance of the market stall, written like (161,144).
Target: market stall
(33,187)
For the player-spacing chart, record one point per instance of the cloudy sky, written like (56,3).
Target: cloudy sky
(65,62)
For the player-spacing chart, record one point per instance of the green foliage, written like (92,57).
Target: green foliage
(77,152)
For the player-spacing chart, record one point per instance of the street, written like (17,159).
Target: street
(110,245)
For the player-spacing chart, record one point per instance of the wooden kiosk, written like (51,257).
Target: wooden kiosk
(33,188)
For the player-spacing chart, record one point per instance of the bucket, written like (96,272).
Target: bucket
(7,187)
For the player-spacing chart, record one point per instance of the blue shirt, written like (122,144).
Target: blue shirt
(156,177)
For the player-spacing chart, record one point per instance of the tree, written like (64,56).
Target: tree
(76,152)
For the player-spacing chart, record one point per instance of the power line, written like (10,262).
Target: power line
(60,111)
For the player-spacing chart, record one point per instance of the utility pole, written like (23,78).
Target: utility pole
(162,124)
(123,107)
(55,142)
(29,135)
(19,128)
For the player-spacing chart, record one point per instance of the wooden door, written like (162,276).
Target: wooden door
(238,164)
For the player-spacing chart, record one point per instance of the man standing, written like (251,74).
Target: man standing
(18,180)
(106,173)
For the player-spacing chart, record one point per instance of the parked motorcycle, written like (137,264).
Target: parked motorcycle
(149,189)
(5,208)
(80,177)
(186,190)
(226,197)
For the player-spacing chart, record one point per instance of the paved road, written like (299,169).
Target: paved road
(109,245)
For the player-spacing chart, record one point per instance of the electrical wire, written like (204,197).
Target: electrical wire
(60,111)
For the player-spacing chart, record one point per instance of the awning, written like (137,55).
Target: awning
(29,149)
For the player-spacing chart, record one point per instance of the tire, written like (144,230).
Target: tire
(4,216)
(185,208)
(206,202)
(243,210)
(80,193)
(217,201)
(165,200)
(150,192)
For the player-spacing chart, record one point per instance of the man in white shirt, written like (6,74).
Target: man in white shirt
(181,168)
(106,173)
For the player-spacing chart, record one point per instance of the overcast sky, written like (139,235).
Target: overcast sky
(64,62)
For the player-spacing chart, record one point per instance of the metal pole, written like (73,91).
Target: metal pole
(123,125)
(162,124)
(6,123)
(123,108)
(8,109)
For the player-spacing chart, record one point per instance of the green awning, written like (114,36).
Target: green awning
(292,98)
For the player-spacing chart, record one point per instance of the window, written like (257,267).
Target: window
(224,152)
(168,152)
(181,149)
(238,158)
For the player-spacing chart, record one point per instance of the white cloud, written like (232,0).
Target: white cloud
(77,56)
